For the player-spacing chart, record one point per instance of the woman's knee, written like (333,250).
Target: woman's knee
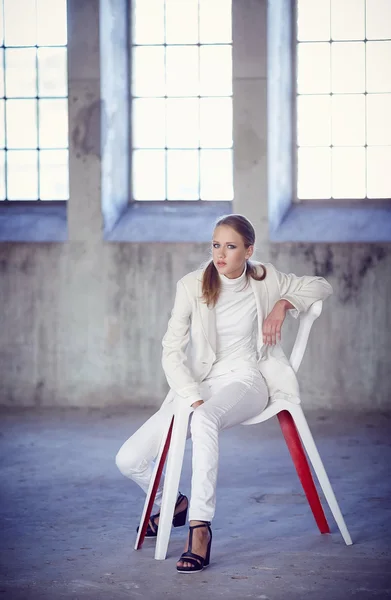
(122,462)
(127,461)
(203,418)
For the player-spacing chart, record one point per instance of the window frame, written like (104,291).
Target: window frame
(291,219)
(126,219)
(365,200)
(36,220)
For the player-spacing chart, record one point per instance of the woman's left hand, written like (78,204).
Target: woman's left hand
(272,325)
(198,403)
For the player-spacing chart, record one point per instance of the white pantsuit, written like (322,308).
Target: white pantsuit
(189,353)
(228,400)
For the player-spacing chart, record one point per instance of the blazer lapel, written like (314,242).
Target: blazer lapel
(207,318)
(262,301)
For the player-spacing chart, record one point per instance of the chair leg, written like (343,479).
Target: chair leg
(150,499)
(303,470)
(312,451)
(172,477)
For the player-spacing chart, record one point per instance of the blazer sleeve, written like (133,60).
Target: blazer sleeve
(175,341)
(302,291)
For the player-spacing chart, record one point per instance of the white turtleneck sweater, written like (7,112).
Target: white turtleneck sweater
(236,326)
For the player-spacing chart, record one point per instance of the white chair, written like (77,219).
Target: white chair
(293,424)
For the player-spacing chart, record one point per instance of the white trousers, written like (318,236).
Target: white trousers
(229,400)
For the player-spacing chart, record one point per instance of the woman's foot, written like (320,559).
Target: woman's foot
(201,538)
(154,521)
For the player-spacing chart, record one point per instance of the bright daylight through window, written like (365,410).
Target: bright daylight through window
(33,100)
(344,99)
(182,100)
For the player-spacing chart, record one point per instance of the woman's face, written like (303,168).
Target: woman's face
(228,251)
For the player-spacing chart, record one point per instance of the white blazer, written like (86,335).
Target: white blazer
(189,345)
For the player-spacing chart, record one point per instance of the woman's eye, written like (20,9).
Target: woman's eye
(231,246)
(215,245)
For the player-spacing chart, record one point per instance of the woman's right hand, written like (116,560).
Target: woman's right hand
(198,403)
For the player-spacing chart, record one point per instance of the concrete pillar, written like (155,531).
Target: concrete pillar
(249,21)
(84,207)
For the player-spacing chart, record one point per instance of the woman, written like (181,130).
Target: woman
(221,355)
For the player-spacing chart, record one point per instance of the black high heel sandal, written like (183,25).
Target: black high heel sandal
(178,521)
(198,562)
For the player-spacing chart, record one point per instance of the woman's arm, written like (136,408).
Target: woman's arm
(301,292)
(296,294)
(175,340)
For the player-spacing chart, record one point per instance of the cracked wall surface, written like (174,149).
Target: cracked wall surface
(82,321)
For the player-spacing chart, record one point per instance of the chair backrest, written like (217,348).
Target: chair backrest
(306,321)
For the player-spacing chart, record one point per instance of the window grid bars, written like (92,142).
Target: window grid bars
(199,44)
(166,148)
(5,125)
(331,94)
(38,136)
(165,112)
(365,101)
(331,108)
(37,97)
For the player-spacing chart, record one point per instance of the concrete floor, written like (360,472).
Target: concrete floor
(69,517)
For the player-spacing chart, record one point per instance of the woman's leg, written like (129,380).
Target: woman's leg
(135,458)
(242,397)
(231,400)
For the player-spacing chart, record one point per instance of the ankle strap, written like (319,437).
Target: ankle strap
(203,524)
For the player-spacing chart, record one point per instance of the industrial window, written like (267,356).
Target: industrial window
(181,100)
(33,100)
(343,99)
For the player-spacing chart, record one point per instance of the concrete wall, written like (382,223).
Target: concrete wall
(79,323)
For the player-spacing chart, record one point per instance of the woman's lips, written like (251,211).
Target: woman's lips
(221,264)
